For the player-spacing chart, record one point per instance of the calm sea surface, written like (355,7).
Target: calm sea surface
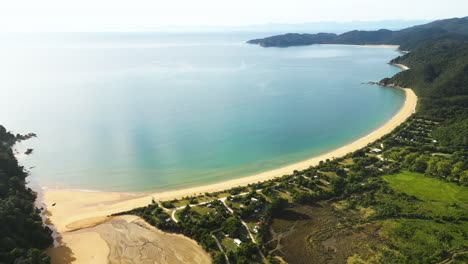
(137,112)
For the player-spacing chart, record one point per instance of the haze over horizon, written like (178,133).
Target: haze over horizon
(144,15)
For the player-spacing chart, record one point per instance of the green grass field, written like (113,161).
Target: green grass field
(202,210)
(181,203)
(228,244)
(427,188)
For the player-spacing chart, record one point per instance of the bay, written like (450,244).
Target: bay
(154,111)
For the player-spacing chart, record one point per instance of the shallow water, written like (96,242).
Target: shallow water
(136,112)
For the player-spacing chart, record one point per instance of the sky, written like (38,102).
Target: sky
(147,15)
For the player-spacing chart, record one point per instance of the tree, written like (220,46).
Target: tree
(276,206)
(337,184)
(444,168)
(432,166)
(219,258)
(359,153)
(232,226)
(464,178)
(457,168)
(420,164)
(410,159)
(302,197)
(246,253)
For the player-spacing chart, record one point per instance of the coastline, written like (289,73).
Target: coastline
(404,67)
(75,215)
(405,111)
(364,46)
(76,210)
(140,243)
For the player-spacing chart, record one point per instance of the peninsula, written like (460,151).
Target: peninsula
(408,38)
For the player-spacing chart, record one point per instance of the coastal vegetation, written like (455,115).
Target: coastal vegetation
(403,203)
(401,199)
(361,207)
(23,237)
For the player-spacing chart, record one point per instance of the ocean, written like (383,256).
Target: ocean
(161,111)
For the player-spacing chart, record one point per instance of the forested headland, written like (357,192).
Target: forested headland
(23,237)
(408,38)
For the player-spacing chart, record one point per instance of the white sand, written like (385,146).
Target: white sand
(404,67)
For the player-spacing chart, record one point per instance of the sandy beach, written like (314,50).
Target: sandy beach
(126,239)
(76,214)
(404,67)
(366,46)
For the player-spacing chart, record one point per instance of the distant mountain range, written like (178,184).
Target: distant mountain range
(408,38)
(309,27)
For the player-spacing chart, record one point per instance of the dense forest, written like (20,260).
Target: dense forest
(22,234)
(439,76)
(408,39)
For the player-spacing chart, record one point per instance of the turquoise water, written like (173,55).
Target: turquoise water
(138,112)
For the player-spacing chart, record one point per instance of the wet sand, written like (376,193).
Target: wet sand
(126,239)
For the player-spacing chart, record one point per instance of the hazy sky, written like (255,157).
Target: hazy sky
(124,15)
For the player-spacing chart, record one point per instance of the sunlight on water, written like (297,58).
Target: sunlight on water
(134,112)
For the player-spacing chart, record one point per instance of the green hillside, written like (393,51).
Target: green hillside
(408,39)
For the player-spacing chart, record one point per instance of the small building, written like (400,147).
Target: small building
(237,241)
(375,150)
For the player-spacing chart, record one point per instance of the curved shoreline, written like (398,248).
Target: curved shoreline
(81,205)
(83,210)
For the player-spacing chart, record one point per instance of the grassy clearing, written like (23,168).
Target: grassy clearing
(330,174)
(181,203)
(234,205)
(202,210)
(348,161)
(280,194)
(228,244)
(425,241)
(427,188)
(251,225)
